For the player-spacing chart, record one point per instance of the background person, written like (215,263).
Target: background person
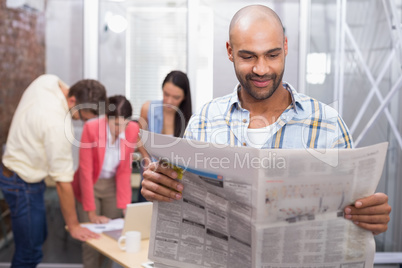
(269,109)
(168,116)
(102,183)
(39,145)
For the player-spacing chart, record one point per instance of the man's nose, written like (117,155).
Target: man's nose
(261,67)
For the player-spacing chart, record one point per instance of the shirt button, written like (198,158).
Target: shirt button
(244,144)
(244,120)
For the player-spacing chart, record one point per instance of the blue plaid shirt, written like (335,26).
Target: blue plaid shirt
(306,123)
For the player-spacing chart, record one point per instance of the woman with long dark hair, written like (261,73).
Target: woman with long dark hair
(170,115)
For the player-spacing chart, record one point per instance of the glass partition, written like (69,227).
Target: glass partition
(356,76)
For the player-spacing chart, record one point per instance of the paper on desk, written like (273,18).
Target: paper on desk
(114,224)
(246,207)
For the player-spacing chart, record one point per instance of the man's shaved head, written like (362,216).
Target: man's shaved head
(257,47)
(253,13)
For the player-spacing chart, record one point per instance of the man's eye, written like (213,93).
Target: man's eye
(273,55)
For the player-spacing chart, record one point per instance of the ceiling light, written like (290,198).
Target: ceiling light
(117,23)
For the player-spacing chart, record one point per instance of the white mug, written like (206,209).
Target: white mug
(133,241)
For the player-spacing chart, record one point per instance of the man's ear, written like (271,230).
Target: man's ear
(286,46)
(229,51)
(71,101)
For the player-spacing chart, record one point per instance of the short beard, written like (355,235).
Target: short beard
(255,94)
(246,84)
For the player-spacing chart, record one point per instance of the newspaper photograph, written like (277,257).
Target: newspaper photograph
(247,207)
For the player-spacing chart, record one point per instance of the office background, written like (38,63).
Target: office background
(346,53)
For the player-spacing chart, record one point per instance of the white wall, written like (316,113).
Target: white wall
(64,47)
(64,42)
(112,52)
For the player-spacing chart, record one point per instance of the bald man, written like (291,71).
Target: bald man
(265,112)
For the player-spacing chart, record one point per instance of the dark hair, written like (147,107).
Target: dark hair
(180,80)
(89,91)
(119,106)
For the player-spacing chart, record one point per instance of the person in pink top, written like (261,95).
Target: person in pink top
(101,183)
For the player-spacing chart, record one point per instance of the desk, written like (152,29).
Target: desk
(108,247)
(388,258)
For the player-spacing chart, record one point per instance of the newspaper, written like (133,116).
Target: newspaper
(247,207)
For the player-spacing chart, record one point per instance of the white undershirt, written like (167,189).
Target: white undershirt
(112,156)
(257,137)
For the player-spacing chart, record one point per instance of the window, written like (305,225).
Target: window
(156,44)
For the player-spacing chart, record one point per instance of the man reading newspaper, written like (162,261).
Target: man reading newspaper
(265,112)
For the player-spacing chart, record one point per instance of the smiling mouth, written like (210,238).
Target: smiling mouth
(260,83)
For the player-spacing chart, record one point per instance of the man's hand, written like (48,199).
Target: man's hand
(82,233)
(159,183)
(370,213)
(96,218)
(67,205)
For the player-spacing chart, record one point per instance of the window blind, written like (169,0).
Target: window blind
(156,44)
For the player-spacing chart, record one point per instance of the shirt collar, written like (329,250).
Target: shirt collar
(297,102)
(296,97)
(121,136)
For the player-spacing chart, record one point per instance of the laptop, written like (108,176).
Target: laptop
(138,218)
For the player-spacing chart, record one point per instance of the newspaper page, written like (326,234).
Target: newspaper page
(247,207)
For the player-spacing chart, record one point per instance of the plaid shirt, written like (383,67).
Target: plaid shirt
(306,123)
